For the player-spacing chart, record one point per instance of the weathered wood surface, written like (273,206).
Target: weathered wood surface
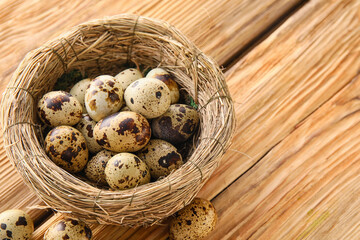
(288,76)
(281,89)
(306,186)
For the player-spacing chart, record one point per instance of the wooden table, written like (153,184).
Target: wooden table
(292,66)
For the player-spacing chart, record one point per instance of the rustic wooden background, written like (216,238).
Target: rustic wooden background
(293,170)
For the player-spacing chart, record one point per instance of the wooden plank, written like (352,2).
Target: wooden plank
(25,25)
(307,186)
(285,78)
(219,28)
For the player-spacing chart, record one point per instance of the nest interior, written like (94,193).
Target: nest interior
(103,47)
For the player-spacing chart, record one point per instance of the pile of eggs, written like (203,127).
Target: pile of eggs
(131,126)
(121,132)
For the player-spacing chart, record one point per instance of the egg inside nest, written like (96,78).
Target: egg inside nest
(59,108)
(103,97)
(126,170)
(161,157)
(123,132)
(67,148)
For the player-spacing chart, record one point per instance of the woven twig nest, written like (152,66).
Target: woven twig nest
(103,47)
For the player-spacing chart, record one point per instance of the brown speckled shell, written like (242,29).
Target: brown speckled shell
(126,77)
(103,97)
(15,224)
(126,170)
(68,229)
(177,124)
(86,127)
(166,78)
(148,96)
(161,157)
(79,90)
(123,132)
(59,108)
(193,222)
(95,168)
(67,148)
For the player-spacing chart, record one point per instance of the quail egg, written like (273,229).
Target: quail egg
(126,77)
(15,224)
(86,127)
(126,170)
(68,229)
(103,97)
(148,96)
(95,168)
(166,78)
(79,90)
(161,157)
(59,108)
(123,132)
(67,148)
(195,221)
(177,124)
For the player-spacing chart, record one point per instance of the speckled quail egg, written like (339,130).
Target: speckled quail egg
(126,170)
(95,168)
(86,127)
(161,157)
(126,77)
(67,148)
(79,90)
(177,124)
(195,221)
(59,108)
(103,97)
(148,96)
(15,224)
(123,132)
(68,229)
(166,78)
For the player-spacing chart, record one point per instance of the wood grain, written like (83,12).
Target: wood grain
(284,79)
(219,28)
(26,24)
(307,186)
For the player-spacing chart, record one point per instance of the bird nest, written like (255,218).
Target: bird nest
(103,47)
